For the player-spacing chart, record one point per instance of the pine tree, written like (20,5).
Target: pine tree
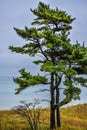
(63,61)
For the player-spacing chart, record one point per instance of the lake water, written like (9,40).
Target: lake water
(8,99)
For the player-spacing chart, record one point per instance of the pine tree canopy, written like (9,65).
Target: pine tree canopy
(48,37)
(27,80)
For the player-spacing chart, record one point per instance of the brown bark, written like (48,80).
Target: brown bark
(52,110)
(58,108)
(57,83)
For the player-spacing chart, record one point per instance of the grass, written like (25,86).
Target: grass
(75,117)
(72,118)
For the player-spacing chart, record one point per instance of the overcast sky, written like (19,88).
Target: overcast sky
(16,13)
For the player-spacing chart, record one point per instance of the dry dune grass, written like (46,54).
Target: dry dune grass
(72,118)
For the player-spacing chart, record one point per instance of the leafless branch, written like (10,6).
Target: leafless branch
(42,90)
(45,100)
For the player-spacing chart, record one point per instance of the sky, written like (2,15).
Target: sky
(16,13)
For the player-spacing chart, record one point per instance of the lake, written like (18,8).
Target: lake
(8,99)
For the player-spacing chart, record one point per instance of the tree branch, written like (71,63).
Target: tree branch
(45,100)
(42,50)
(64,102)
(42,90)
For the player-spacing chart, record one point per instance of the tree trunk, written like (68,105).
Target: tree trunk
(57,109)
(52,110)
(57,83)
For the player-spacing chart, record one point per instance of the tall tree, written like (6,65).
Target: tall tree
(63,61)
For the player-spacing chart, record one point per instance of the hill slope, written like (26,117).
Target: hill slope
(72,118)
